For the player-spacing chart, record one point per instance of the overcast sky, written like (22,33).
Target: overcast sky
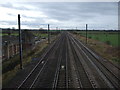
(98,15)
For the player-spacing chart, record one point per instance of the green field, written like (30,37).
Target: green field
(5,34)
(16,34)
(41,34)
(111,38)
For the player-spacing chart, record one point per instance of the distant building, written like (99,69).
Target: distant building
(10,43)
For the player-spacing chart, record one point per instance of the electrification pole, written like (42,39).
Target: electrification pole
(86,33)
(76,28)
(20,42)
(48,34)
(56,28)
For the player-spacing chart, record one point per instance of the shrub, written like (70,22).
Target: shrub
(108,42)
(115,59)
(97,38)
(90,37)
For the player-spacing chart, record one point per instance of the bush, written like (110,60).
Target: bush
(108,42)
(97,38)
(10,64)
(115,59)
(90,37)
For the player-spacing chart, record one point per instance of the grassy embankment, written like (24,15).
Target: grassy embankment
(11,67)
(104,43)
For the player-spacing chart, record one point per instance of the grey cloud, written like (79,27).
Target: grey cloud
(80,10)
(68,11)
(10,14)
(9,22)
(10,5)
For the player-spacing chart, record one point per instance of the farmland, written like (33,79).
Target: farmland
(105,43)
(41,35)
(5,34)
(109,37)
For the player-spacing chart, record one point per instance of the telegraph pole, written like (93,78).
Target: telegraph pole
(20,42)
(48,34)
(86,33)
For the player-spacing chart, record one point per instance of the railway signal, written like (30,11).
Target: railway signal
(20,42)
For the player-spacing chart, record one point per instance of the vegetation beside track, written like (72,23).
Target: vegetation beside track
(110,38)
(5,34)
(11,67)
(16,34)
(106,50)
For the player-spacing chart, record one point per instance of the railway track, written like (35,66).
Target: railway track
(62,79)
(109,76)
(46,79)
(61,75)
(70,64)
(84,80)
(33,75)
(109,65)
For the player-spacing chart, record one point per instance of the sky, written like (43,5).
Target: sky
(63,15)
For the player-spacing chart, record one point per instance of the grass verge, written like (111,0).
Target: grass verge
(11,67)
(110,38)
(106,51)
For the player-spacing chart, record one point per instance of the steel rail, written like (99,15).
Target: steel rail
(115,84)
(40,71)
(37,64)
(67,82)
(95,66)
(75,53)
(44,66)
(55,82)
(96,56)
(103,75)
(93,54)
(77,79)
